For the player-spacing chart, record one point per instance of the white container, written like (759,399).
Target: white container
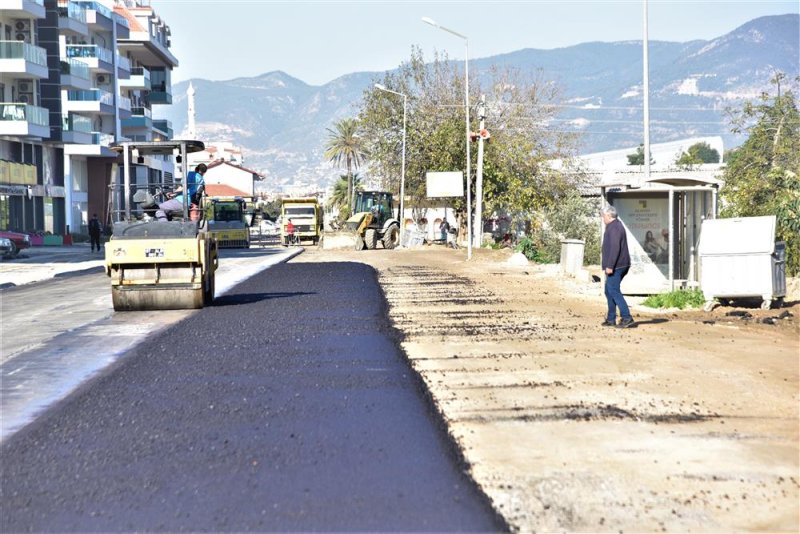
(572,255)
(739,258)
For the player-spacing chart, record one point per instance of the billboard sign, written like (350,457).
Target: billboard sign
(444,184)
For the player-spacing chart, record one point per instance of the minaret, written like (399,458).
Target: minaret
(190,95)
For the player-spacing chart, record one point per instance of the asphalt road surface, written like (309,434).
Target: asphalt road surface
(285,406)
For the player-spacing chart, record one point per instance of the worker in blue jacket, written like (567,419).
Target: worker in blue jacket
(195,183)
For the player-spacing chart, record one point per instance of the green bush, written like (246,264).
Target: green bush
(572,217)
(531,249)
(526,246)
(682,298)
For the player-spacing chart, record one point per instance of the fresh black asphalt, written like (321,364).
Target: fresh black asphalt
(286,406)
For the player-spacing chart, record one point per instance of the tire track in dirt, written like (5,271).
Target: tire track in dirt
(567,425)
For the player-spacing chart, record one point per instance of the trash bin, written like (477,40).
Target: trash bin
(572,255)
(739,258)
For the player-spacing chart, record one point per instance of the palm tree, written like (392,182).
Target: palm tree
(339,195)
(345,146)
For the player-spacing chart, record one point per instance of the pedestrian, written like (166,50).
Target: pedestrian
(444,228)
(290,233)
(616,262)
(94,232)
(195,182)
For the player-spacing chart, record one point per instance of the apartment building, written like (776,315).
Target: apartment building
(24,122)
(105,64)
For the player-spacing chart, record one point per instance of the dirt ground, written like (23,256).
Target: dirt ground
(688,422)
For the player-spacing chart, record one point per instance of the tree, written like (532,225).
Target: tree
(339,196)
(271,209)
(344,145)
(637,158)
(517,176)
(762,176)
(697,154)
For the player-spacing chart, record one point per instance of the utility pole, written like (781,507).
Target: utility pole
(645,96)
(478,226)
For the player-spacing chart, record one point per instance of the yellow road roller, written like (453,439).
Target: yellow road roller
(158,259)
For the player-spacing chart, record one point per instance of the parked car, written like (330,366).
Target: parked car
(5,246)
(19,241)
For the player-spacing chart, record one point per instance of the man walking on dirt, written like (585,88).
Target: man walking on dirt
(616,261)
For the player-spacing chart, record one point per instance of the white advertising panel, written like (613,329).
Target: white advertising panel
(444,184)
(647,221)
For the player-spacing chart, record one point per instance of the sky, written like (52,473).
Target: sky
(318,41)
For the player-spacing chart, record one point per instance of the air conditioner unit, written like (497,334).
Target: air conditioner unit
(101,78)
(22,25)
(24,37)
(25,98)
(25,86)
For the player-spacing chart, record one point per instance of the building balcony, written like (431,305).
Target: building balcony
(76,129)
(124,103)
(140,118)
(102,139)
(98,16)
(148,50)
(159,95)
(75,74)
(19,57)
(98,147)
(163,129)
(94,101)
(24,120)
(72,19)
(23,9)
(96,57)
(123,67)
(139,80)
(123,63)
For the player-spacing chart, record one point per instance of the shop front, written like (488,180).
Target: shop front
(27,206)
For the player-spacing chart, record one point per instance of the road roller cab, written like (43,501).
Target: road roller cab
(157,265)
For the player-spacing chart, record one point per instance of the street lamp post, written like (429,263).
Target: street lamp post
(401,214)
(427,20)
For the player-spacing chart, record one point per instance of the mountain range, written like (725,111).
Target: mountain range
(280,122)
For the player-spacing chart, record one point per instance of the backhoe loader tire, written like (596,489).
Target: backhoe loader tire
(371,238)
(392,237)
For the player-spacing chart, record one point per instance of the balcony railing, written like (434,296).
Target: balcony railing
(23,50)
(142,111)
(76,123)
(123,62)
(76,68)
(92,95)
(165,126)
(96,6)
(141,71)
(124,102)
(24,112)
(73,11)
(90,51)
(162,124)
(104,139)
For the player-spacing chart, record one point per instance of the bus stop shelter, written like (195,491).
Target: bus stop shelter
(662,217)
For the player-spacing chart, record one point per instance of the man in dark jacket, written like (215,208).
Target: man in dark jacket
(94,232)
(616,262)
